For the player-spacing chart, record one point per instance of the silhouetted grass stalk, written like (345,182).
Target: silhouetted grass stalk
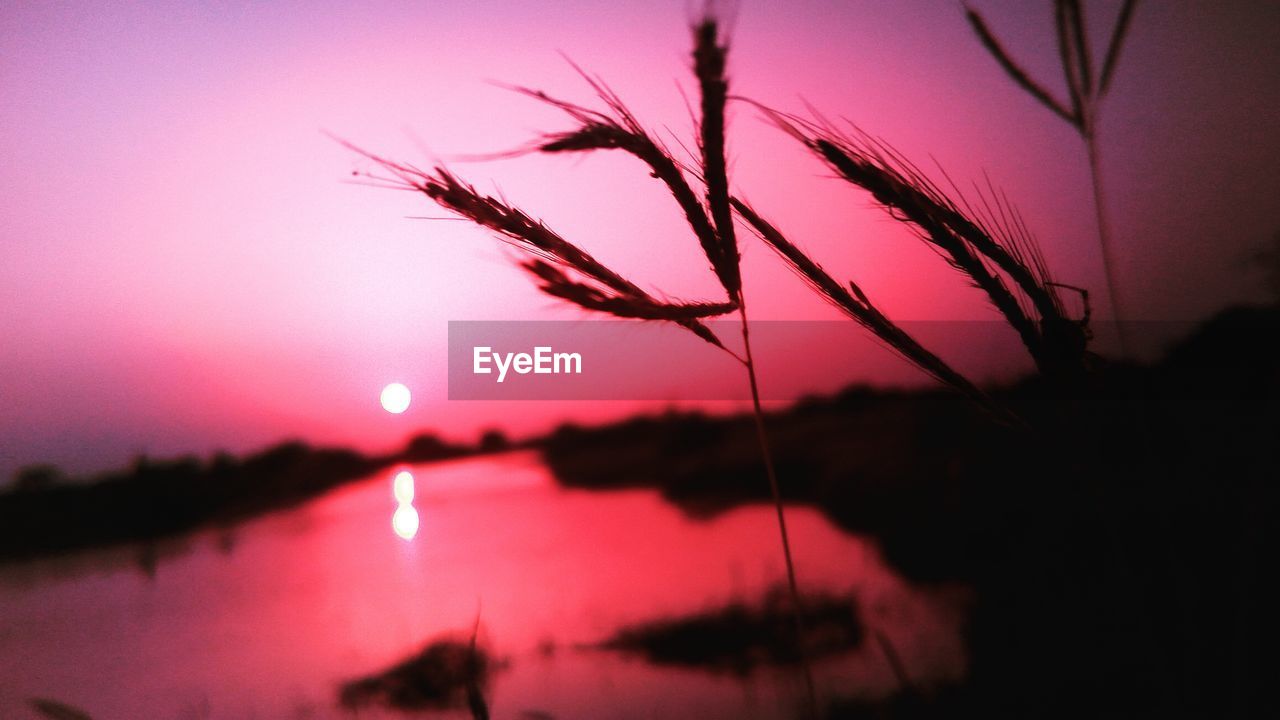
(1105,241)
(564,270)
(709,66)
(1086,94)
(775,491)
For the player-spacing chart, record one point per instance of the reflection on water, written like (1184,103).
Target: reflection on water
(402,487)
(405,519)
(316,595)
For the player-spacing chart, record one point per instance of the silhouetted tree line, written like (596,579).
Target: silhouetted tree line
(45,511)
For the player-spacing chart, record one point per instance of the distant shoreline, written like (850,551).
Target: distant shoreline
(45,513)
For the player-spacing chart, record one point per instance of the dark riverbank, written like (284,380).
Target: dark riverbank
(741,636)
(925,472)
(45,513)
(1116,542)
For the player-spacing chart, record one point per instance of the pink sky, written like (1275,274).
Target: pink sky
(183,266)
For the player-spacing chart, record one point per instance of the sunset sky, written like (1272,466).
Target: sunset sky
(185,265)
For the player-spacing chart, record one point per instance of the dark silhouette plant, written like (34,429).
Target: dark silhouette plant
(564,270)
(1085,91)
(995,250)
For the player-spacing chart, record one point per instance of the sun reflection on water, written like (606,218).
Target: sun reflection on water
(405,520)
(402,487)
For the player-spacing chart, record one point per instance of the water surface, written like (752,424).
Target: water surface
(267,619)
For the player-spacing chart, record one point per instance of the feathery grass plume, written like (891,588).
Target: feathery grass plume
(1085,91)
(603,290)
(618,129)
(710,218)
(852,301)
(554,282)
(565,271)
(709,59)
(995,251)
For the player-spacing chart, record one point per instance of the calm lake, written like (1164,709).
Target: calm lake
(267,619)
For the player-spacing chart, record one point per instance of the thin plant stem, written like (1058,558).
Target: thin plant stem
(771,472)
(1104,236)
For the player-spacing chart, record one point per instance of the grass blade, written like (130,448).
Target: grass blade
(1067,56)
(621,131)
(1080,39)
(1117,41)
(1015,72)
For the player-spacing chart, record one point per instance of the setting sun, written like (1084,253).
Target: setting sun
(395,398)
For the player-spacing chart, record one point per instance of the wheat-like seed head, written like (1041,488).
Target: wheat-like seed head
(994,250)
(599,288)
(855,303)
(710,218)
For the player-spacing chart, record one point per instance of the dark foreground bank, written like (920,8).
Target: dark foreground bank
(1117,540)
